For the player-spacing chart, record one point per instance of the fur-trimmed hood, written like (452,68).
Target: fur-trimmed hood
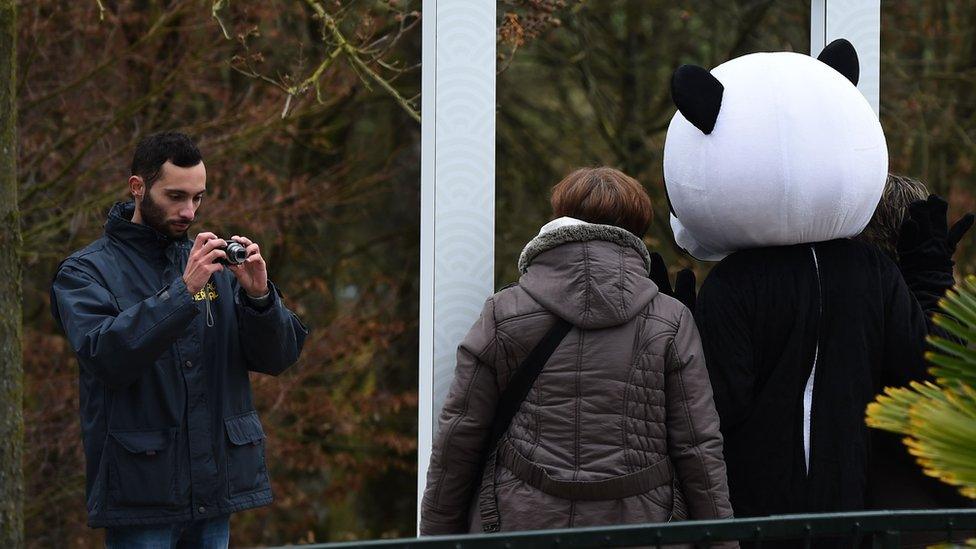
(594,276)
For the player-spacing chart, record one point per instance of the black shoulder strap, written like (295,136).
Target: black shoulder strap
(508,405)
(521,383)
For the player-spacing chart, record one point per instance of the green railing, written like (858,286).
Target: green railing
(881,529)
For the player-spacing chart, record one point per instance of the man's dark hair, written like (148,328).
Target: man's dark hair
(154,150)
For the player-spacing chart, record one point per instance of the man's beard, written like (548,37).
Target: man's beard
(154,216)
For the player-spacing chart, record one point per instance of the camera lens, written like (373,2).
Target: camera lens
(236,253)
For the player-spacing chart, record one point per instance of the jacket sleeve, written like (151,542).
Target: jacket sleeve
(925,248)
(463,429)
(894,480)
(271,336)
(117,346)
(927,283)
(927,286)
(722,318)
(904,332)
(694,440)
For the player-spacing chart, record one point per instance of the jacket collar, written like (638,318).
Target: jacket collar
(143,238)
(567,229)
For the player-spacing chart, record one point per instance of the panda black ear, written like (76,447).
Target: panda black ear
(841,56)
(698,96)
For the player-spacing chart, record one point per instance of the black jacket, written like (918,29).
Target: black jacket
(168,424)
(768,315)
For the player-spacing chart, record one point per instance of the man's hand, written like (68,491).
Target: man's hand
(253,273)
(684,282)
(200,266)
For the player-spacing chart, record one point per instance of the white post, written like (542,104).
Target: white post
(859,21)
(457,227)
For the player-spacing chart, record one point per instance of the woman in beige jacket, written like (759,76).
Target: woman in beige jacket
(622,412)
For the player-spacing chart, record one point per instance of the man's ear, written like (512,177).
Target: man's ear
(137,187)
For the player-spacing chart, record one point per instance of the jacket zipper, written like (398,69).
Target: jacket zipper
(808,390)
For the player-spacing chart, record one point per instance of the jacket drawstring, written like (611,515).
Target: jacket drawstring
(179,254)
(210,317)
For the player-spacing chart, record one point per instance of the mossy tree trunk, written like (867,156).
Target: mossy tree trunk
(11,368)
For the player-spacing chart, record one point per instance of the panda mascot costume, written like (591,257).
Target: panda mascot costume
(771,164)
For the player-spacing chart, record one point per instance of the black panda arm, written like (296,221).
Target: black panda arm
(925,248)
(725,327)
(904,331)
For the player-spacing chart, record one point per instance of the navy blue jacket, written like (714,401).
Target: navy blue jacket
(168,423)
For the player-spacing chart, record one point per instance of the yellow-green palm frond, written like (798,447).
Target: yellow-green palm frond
(942,437)
(890,410)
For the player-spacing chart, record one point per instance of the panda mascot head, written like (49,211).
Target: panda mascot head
(772,149)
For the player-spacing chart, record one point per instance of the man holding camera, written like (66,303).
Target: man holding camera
(166,330)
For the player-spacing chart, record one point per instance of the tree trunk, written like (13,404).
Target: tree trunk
(11,369)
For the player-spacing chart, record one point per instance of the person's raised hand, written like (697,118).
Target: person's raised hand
(926,239)
(202,261)
(252,275)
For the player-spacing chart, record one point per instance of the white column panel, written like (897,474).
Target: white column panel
(457,194)
(859,21)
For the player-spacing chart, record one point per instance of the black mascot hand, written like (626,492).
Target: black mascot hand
(958,229)
(925,247)
(926,241)
(684,282)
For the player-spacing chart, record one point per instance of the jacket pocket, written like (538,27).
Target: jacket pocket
(246,468)
(144,468)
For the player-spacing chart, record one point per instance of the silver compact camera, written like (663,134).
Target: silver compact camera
(236,253)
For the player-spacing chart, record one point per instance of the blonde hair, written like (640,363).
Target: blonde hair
(885,225)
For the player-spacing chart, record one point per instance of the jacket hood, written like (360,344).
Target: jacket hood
(593,276)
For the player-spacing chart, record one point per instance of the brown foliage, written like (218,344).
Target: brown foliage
(928,108)
(521,21)
(308,187)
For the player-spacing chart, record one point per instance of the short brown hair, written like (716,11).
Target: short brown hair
(603,195)
(885,225)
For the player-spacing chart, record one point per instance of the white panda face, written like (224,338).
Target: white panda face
(796,155)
